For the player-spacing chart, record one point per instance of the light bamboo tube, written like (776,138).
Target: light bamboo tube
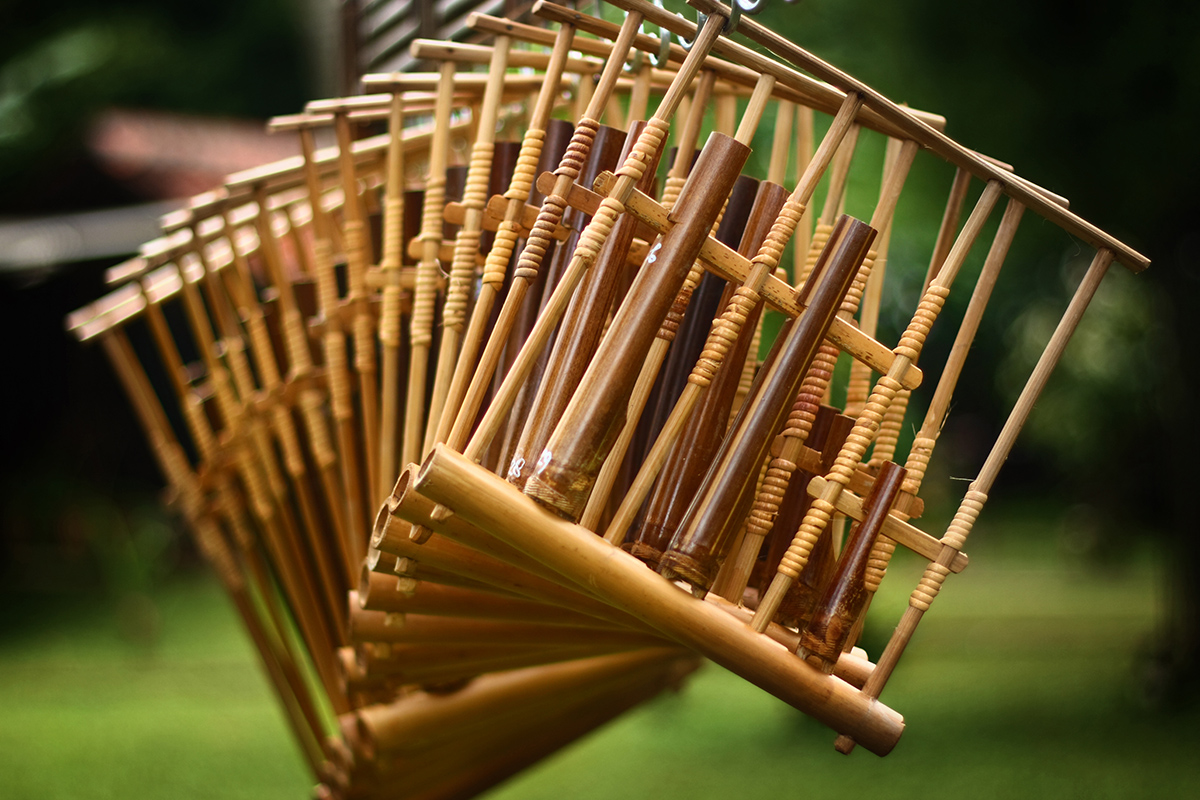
(358,257)
(726,330)
(972,504)
(379,626)
(311,402)
(486,500)
(858,385)
(893,420)
(596,232)
(240,286)
(379,592)
(939,406)
(483,757)
(448,387)
(424,721)
(390,317)
(425,294)
(228,500)
(907,351)
(337,376)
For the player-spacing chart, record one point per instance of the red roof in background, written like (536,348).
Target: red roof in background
(163,155)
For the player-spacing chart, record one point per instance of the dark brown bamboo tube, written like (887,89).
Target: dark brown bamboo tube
(845,596)
(575,452)
(580,332)
(486,500)
(604,154)
(700,545)
(684,469)
(797,605)
(706,301)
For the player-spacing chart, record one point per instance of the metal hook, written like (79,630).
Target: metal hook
(701,18)
(660,58)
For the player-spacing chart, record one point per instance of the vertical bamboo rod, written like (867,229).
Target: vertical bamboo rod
(460,349)
(389,317)
(425,292)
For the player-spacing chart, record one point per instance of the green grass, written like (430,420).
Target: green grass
(1019,684)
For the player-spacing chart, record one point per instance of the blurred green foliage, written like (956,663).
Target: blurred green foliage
(61,63)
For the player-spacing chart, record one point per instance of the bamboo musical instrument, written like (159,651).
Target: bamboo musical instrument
(474,627)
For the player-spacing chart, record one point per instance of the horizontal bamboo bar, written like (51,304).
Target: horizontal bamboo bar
(621,579)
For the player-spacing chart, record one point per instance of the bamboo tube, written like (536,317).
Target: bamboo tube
(424,721)
(858,386)
(727,330)
(447,396)
(822,508)
(336,372)
(598,499)
(439,555)
(845,597)
(379,626)
(939,406)
(438,664)
(484,757)
(538,242)
(205,441)
(380,592)
(828,435)
(239,285)
(815,384)
(424,298)
(358,256)
(578,336)
(573,455)
(390,317)
(889,428)
(976,496)
(310,401)
(597,231)
(486,500)
(703,539)
(696,445)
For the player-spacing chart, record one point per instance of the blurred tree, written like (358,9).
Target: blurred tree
(61,63)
